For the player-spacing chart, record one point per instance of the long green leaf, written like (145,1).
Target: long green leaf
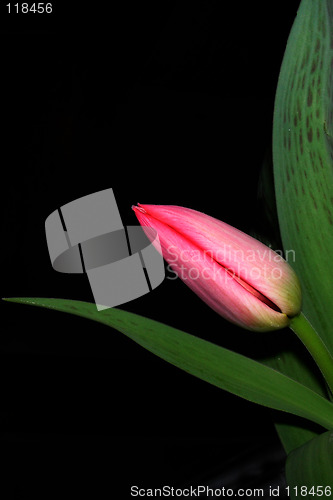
(294,433)
(289,356)
(303,158)
(225,369)
(315,477)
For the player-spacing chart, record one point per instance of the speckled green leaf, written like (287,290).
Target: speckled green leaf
(220,367)
(309,469)
(289,356)
(303,158)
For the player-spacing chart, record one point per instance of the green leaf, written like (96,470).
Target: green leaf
(293,436)
(225,369)
(303,158)
(316,471)
(296,364)
(288,355)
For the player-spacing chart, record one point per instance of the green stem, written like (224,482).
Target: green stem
(318,350)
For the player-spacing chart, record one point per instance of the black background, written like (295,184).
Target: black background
(167,103)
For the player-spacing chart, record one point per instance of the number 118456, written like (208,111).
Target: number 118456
(26,8)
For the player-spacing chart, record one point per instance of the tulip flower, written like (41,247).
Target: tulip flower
(239,277)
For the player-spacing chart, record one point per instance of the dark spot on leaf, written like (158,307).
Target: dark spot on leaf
(310,98)
(317,47)
(314,201)
(301,140)
(310,135)
(314,66)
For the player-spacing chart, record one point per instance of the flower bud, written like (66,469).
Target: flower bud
(239,277)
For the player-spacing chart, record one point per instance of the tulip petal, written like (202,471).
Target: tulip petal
(248,258)
(208,278)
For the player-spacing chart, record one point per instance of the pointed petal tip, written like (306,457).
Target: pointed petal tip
(138,208)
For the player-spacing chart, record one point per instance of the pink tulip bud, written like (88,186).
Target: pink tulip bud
(239,277)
